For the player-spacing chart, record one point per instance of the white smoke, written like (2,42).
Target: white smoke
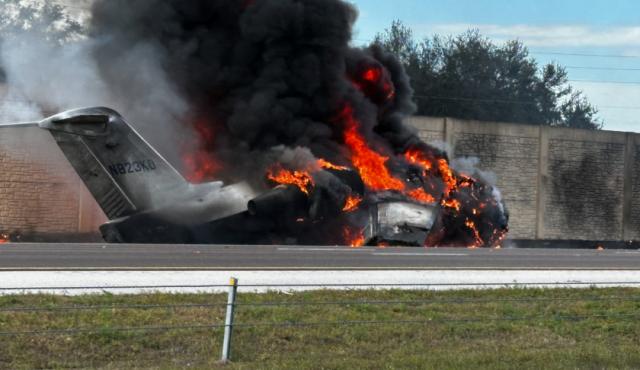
(498,197)
(469,166)
(44,78)
(15,107)
(441,145)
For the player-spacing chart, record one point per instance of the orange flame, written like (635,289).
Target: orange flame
(416,157)
(4,238)
(352,203)
(452,203)
(370,164)
(448,177)
(330,166)
(421,196)
(478,240)
(301,179)
(354,237)
(357,242)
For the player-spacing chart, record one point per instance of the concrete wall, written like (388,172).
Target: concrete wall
(557,183)
(40,192)
(632,184)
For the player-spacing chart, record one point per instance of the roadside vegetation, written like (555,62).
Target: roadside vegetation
(470,76)
(497,329)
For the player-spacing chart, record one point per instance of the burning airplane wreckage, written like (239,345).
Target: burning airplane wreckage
(308,130)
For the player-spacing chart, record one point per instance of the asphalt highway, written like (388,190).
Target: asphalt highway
(41,256)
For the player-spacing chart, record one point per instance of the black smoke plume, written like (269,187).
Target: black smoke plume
(271,81)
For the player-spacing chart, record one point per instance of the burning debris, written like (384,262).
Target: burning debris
(268,78)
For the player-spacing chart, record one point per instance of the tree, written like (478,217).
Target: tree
(470,77)
(46,20)
(43,18)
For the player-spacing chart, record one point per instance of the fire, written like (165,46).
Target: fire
(448,177)
(421,174)
(372,74)
(358,242)
(370,164)
(444,172)
(452,203)
(330,166)
(462,198)
(497,237)
(417,157)
(375,82)
(421,196)
(200,166)
(478,240)
(199,162)
(4,238)
(301,179)
(354,237)
(352,203)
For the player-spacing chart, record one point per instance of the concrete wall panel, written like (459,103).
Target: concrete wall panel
(510,153)
(633,222)
(430,130)
(585,185)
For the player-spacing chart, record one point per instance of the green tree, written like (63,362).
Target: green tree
(46,20)
(470,77)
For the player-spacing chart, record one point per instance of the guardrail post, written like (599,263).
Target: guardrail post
(228,323)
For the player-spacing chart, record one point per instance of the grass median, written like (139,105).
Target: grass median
(494,329)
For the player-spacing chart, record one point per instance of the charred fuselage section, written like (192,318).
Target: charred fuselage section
(286,215)
(283,216)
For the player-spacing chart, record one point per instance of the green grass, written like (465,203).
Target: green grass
(542,342)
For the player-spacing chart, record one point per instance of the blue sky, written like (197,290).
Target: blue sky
(565,26)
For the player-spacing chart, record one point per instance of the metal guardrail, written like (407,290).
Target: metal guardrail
(232,305)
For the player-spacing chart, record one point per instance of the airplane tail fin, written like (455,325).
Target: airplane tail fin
(124,173)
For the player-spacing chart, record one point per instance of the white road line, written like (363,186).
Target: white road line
(417,254)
